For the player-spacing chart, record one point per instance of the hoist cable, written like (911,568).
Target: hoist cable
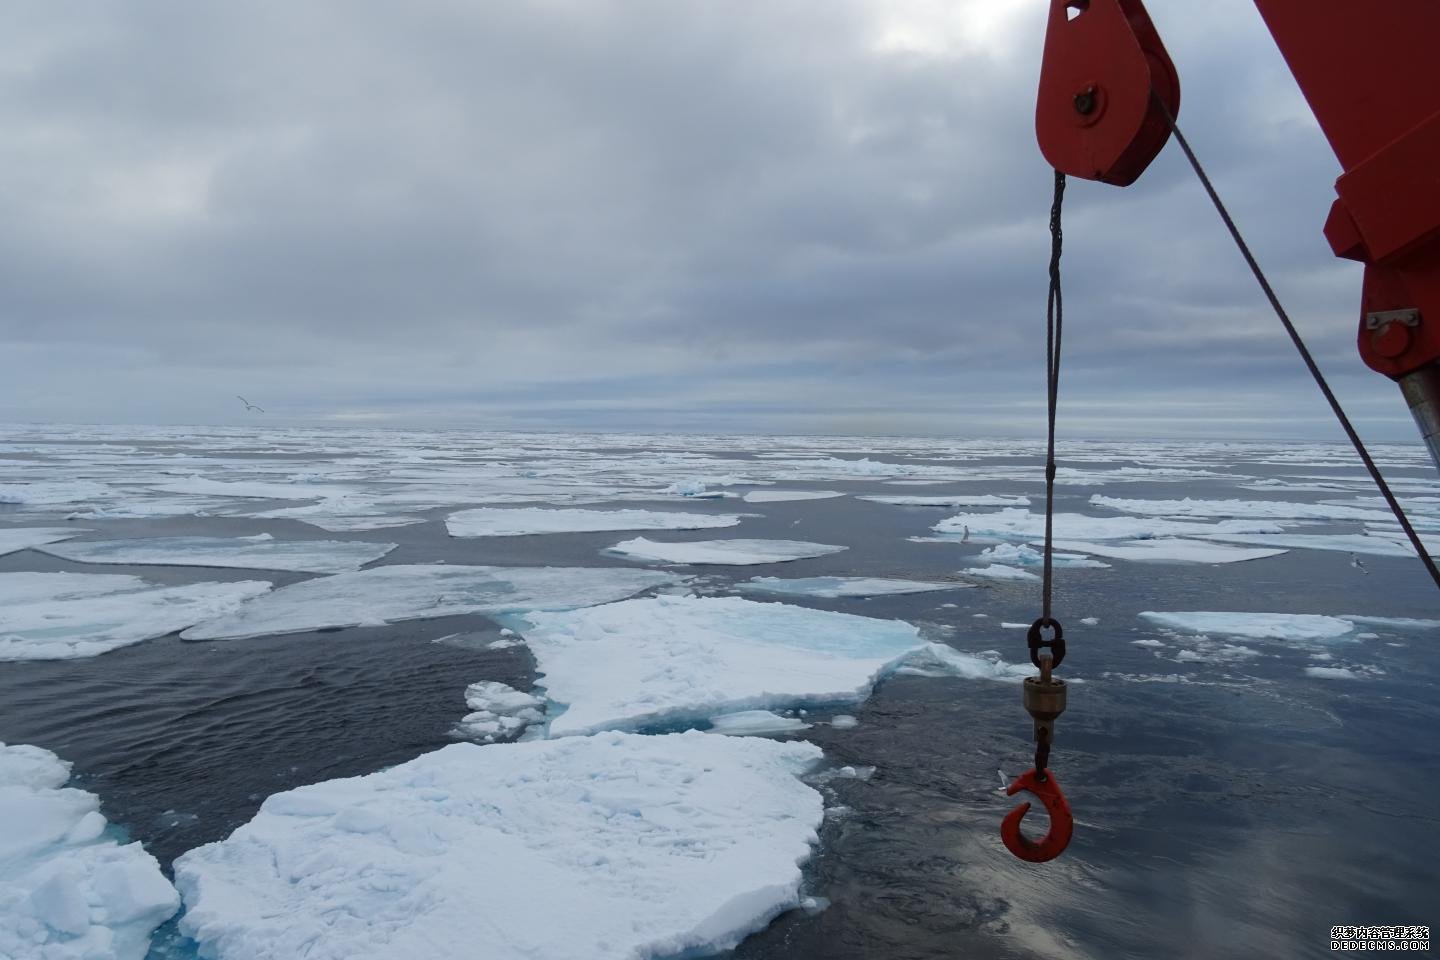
(1054,327)
(1320,381)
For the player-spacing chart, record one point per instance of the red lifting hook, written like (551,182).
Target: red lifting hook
(1062,825)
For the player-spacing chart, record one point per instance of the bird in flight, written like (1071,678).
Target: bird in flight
(248,404)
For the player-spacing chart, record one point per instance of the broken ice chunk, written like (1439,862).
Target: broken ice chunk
(835,587)
(748,723)
(498,711)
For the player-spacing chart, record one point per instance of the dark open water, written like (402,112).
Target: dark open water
(1241,814)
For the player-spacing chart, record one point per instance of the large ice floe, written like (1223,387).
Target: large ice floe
(50,492)
(68,889)
(1017,524)
(611,847)
(416,591)
(1170,551)
(723,552)
(832,588)
(668,660)
(62,616)
(500,522)
(1256,626)
(780,496)
(1244,509)
(259,553)
(23,538)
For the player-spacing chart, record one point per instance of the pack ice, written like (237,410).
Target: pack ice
(67,890)
(62,616)
(301,556)
(723,552)
(666,660)
(831,588)
(612,847)
(416,591)
(500,522)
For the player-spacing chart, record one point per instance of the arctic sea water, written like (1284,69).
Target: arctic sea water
(1242,752)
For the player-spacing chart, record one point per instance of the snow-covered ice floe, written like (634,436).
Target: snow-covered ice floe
(1017,524)
(416,591)
(831,588)
(62,616)
(252,489)
(522,521)
(1342,542)
(498,710)
(1020,555)
(1170,551)
(1244,509)
(668,660)
(612,847)
(1280,626)
(50,492)
(1000,571)
(779,496)
(938,660)
(23,538)
(68,890)
(723,552)
(300,556)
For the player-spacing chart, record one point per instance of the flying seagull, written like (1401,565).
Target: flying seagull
(248,404)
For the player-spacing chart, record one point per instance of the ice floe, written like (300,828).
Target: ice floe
(417,591)
(939,660)
(999,571)
(49,492)
(1023,556)
(1332,673)
(62,616)
(612,847)
(498,711)
(748,723)
(1243,509)
(498,522)
(23,538)
(1017,524)
(1258,626)
(985,500)
(303,556)
(679,659)
(723,552)
(778,496)
(844,721)
(68,889)
(831,588)
(1170,551)
(1341,542)
(251,489)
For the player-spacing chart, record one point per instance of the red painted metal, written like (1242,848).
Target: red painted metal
(1062,824)
(1372,75)
(1095,117)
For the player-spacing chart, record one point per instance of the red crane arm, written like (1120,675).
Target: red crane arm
(1370,70)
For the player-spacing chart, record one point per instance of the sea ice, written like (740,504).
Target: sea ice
(252,489)
(611,847)
(999,571)
(831,588)
(301,556)
(668,660)
(1170,551)
(1342,542)
(777,496)
(23,538)
(939,660)
(747,723)
(346,524)
(68,889)
(62,616)
(844,721)
(1258,626)
(388,594)
(984,500)
(499,522)
(1017,524)
(499,710)
(723,552)
(49,492)
(1331,673)
(1018,554)
(1208,509)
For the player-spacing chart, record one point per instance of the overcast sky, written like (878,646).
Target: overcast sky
(813,216)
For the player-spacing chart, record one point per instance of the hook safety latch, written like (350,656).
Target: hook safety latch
(1062,825)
